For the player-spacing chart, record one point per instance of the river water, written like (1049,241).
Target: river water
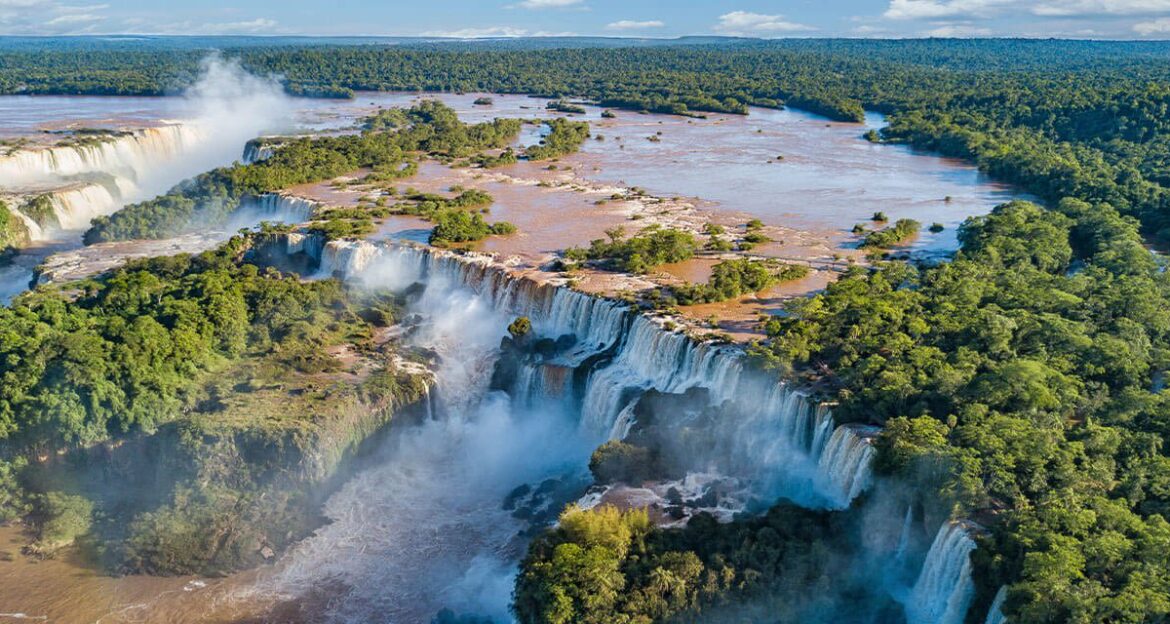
(423,528)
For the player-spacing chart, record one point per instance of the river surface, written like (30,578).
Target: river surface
(424,528)
(830,177)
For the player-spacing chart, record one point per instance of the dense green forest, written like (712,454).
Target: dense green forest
(1018,383)
(204,387)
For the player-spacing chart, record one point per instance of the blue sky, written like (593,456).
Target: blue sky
(1125,19)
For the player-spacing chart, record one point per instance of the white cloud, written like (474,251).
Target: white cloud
(1078,8)
(934,9)
(634,25)
(493,32)
(746,24)
(257,25)
(478,33)
(545,4)
(74,18)
(46,17)
(957,31)
(1153,27)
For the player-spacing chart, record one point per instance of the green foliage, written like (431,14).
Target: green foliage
(461,226)
(575,575)
(902,230)
(122,357)
(565,137)
(734,278)
(618,461)
(520,327)
(13,498)
(506,157)
(65,517)
(651,247)
(1016,381)
(337,226)
(13,232)
(604,565)
(564,106)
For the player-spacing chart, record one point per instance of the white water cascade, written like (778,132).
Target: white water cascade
(256,151)
(995,613)
(129,156)
(344,259)
(273,207)
(772,435)
(944,589)
(35,231)
(845,463)
(75,208)
(904,537)
(424,528)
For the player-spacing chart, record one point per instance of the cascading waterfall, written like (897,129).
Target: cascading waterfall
(128,156)
(625,421)
(944,589)
(424,528)
(845,464)
(904,539)
(762,431)
(35,231)
(256,151)
(346,259)
(273,207)
(75,208)
(995,613)
(94,179)
(784,442)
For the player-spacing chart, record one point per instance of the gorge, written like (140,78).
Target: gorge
(606,357)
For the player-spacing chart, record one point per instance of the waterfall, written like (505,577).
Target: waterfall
(257,150)
(277,207)
(129,155)
(844,466)
(995,613)
(76,207)
(944,588)
(904,539)
(747,428)
(772,433)
(347,259)
(768,432)
(35,231)
(623,424)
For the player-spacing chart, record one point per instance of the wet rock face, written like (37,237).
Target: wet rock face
(539,504)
